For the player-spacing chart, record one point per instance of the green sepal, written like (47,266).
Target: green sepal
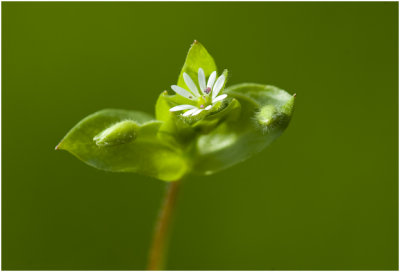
(173,129)
(228,112)
(145,153)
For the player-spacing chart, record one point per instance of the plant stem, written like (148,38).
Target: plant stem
(161,232)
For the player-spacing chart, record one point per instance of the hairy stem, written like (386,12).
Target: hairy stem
(158,248)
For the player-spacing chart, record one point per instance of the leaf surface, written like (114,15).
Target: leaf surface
(144,153)
(265,113)
(197,57)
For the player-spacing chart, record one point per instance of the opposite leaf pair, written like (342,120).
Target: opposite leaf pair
(202,128)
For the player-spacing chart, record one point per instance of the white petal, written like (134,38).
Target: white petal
(208,107)
(189,112)
(182,92)
(189,82)
(218,86)
(219,98)
(211,79)
(182,107)
(197,112)
(202,80)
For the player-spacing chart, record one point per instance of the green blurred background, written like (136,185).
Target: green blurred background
(323,196)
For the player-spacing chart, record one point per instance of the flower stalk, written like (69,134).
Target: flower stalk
(158,250)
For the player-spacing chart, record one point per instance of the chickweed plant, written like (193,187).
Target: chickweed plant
(200,127)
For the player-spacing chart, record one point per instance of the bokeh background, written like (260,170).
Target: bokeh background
(323,196)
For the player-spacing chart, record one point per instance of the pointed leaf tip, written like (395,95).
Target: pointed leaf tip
(197,57)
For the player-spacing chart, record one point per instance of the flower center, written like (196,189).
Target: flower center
(204,101)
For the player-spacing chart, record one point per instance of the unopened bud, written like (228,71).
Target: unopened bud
(266,115)
(120,133)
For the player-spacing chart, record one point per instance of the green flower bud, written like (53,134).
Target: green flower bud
(120,133)
(266,115)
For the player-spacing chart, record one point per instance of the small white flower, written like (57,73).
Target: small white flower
(205,99)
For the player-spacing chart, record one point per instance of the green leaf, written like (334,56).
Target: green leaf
(265,113)
(197,57)
(124,141)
